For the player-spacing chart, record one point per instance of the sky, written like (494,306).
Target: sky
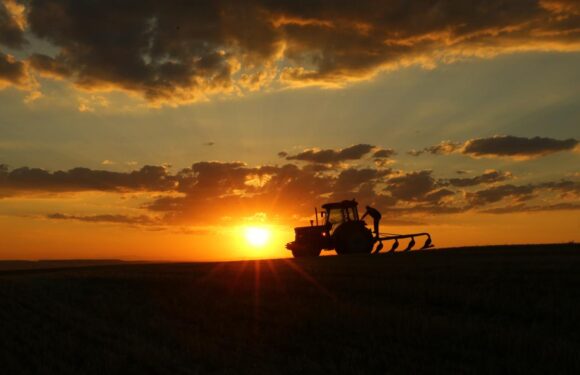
(163,131)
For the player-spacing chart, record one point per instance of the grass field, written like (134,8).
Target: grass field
(475,310)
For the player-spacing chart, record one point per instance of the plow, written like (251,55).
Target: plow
(345,232)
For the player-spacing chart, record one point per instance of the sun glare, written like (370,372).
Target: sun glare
(256,236)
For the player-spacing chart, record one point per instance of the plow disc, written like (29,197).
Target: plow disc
(397,237)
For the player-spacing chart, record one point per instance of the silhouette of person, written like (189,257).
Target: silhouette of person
(376,215)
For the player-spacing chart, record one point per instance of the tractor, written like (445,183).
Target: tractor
(343,231)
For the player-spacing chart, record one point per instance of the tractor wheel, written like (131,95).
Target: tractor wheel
(353,238)
(306,252)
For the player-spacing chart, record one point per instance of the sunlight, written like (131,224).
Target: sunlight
(257,236)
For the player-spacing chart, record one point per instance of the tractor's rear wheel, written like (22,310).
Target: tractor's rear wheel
(306,252)
(353,238)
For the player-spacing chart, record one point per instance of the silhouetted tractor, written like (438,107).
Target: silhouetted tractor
(344,232)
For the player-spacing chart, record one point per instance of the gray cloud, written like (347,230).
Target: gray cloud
(330,156)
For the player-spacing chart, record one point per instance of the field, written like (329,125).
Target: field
(497,309)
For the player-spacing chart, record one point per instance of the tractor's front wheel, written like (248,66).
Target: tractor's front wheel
(305,252)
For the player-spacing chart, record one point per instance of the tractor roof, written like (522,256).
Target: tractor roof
(343,204)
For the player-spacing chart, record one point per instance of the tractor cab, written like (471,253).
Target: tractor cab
(339,213)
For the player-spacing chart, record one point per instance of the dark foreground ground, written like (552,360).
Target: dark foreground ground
(479,310)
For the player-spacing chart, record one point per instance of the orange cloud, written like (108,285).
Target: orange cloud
(210,193)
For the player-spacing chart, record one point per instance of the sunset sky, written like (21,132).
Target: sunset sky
(163,130)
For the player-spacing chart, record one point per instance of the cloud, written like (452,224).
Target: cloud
(349,180)
(107,218)
(565,187)
(217,193)
(443,148)
(508,146)
(436,196)
(331,156)
(564,7)
(498,193)
(213,191)
(488,177)
(13,72)
(413,186)
(516,147)
(384,153)
(172,53)
(148,178)
(12,23)
(565,206)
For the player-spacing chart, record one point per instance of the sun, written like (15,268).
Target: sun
(257,236)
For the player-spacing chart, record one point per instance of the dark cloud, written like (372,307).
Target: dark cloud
(384,153)
(330,156)
(349,180)
(12,71)
(413,186)
(565,187)
(498,193)
(436,196)
(535,208)
(11,34)
(282,154)
(148,178)
(443,148)
(427,209)
(516,147)
(107,218)
(563,7)
(50,67)
(501,146)
(173,52)
(487,177)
